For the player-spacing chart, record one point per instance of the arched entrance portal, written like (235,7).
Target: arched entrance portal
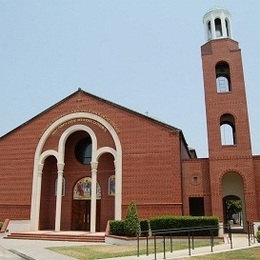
(233,201)
(59,142)
(81,205)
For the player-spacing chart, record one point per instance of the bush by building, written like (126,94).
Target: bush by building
(176,225)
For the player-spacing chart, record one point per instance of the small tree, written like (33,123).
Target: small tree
(233,207)
(132,225)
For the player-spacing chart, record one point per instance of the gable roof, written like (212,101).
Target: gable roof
(102,100)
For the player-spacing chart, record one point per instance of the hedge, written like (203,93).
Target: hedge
(185,222)
(117,227)
(1,224)
(258,234)
(145,227)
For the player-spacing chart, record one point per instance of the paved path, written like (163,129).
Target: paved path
(33,249)
(14,249)
(6,254)
(239,242)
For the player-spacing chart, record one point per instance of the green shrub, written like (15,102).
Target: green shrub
(258,234)
(145,227)
(182,222)
(132,226)
(117,227)
(128,227)
(1,224)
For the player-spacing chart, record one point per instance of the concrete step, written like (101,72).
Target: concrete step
(57,237)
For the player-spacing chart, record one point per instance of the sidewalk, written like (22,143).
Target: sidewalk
(33,249)
(240,241)
(14,249)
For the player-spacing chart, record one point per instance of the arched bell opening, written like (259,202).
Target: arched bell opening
(223,77)
(228,130)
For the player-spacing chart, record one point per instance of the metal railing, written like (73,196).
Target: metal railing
(250,233)
(189,235)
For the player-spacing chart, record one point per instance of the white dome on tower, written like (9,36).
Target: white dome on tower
(217,23)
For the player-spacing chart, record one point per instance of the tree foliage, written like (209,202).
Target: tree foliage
(131,223)
(233,207)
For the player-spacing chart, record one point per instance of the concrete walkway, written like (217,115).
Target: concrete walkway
(239,241)
(14,249)
(34,249)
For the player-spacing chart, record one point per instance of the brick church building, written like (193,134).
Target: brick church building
(82,161)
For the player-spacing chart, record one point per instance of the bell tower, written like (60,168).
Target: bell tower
(231,169)
(224,86)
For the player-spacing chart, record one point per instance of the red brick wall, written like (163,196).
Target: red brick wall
(243,167)
(151,160)
(257,181)
(196,183)
(16,175)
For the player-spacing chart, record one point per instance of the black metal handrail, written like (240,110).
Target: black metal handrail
(190,234)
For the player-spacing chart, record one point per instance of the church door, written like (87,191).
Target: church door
(81,205)
(81,215)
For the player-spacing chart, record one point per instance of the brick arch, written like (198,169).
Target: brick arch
(233,186)
(235,171)
(228,112)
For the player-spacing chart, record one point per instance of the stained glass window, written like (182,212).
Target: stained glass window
(111,185)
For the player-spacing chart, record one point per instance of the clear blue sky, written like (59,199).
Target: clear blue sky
(141,54)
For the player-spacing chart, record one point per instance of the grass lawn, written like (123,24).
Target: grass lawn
(106,251)
(248,254)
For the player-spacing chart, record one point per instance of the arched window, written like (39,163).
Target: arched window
(227,130)
(209,30)
(223,77)
(83,150)
(111,185)
(63,187)
(218,27)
